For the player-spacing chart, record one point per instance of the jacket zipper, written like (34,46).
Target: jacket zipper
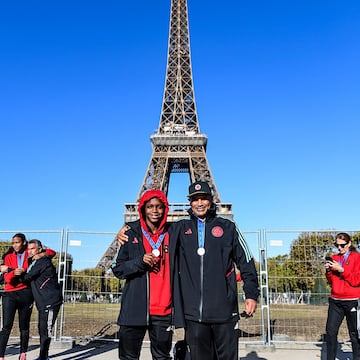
(202,281)
(148,298)
(201,286)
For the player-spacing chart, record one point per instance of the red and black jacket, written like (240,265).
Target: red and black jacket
(12,282)
(135,303)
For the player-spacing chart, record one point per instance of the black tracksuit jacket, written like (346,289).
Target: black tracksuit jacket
(208,287)
(44,283)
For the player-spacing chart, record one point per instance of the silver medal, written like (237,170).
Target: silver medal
(201,251)
(156,252)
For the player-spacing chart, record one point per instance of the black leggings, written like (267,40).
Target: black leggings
(338,309)
(22,301)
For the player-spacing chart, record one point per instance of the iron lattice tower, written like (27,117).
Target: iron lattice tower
(178,144)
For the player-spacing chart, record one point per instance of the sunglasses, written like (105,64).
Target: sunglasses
(340,245)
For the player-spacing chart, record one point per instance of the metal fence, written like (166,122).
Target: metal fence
(298,316)
(291,309)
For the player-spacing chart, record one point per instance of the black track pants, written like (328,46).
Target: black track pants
(212,341)
(131,338)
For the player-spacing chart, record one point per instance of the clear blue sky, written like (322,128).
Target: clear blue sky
(277,86)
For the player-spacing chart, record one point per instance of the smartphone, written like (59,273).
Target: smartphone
(328,258)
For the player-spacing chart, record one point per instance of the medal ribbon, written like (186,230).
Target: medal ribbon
(20,259)
(154,245)
(343,260)
(201,233)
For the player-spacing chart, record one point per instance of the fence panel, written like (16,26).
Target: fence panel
(254,329)
(294,293)
(91,295)
(298,292)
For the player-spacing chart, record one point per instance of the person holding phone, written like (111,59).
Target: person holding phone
(343,274)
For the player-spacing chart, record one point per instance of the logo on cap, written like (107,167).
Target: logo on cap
(197,187)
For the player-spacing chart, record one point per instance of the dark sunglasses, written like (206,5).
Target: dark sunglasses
(340,245)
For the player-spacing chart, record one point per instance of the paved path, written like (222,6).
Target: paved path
(108,351)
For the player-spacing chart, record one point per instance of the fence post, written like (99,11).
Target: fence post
(264,290)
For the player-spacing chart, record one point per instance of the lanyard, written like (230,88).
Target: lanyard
(20,259)
(201,233)
(154,245)
(343,260)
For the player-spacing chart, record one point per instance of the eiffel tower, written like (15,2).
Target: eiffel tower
(178,144)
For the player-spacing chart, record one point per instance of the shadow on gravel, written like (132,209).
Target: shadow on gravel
(343,353)
(86,351)
(252,355)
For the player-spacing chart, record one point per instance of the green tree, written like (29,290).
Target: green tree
(88,280)
(320,292)
(4,247)
(356,239)
(280,279)
(306,260)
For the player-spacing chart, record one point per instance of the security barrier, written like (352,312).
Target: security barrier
(292,306)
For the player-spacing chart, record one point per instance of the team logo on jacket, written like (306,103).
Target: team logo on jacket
(188,232)
(135,241)
(217,231)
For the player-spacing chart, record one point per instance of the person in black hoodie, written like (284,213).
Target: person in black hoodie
(145,262)
(209,249)
(42,276)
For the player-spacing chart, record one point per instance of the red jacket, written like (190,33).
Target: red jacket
(346,285)
(12,282)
